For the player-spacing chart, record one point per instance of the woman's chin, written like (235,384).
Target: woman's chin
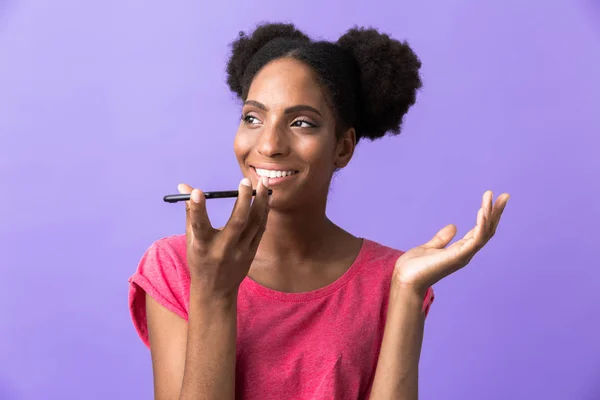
(281,201)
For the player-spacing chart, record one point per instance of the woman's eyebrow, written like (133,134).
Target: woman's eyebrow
(289,110)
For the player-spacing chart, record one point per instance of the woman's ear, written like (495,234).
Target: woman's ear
(345,148)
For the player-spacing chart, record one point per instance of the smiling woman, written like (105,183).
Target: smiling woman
(287,126)
(282,303)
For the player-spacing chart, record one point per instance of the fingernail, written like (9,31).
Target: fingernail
(179,188)
(265,181)
(246,182)
(195,196)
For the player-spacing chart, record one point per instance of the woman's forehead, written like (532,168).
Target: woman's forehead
(286,82)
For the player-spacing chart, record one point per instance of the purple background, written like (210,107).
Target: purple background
(106,105)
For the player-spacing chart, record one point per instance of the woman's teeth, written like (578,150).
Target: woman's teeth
(273,174)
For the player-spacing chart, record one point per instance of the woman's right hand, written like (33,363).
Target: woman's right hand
(219,259)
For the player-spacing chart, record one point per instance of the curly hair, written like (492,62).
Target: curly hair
(371,79)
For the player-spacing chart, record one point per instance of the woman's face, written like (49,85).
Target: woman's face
(287,133)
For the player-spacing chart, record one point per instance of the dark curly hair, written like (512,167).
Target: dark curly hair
(371,79)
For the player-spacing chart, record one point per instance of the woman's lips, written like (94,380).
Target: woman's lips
(276,176)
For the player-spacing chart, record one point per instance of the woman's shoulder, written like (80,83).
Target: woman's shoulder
(174,245)
(375,262)
(377,252)
(164,260)
(163,274)
(385,257)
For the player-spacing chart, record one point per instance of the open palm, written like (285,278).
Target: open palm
(423,266)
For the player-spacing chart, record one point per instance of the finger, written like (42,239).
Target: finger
(466,247)
(258,214)
(255,241)
(198,223)
(186,189)
(442,238)
(239,216)
(479,224)
(497,211)
(480,233)
(486,204)
(471,233)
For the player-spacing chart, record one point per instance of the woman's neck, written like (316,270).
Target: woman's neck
(302,252)
(297,236)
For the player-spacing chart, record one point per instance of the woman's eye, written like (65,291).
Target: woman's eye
(300,123)
(250,119)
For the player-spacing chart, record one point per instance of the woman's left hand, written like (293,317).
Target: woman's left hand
(423,266)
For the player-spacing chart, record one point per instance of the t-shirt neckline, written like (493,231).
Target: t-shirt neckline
(359,261)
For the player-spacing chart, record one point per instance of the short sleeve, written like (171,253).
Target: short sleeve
(427,301)
(162,274)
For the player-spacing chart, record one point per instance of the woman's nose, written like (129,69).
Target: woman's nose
(273,142)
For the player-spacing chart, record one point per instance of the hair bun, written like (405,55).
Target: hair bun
(246,46)
(389,79)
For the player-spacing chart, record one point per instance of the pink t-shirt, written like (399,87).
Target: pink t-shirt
(318,345)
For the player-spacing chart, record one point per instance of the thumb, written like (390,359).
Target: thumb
(442,237)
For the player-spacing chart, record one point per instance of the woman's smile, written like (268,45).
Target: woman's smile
(276,174)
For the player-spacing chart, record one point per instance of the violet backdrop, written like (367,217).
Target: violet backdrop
(105,106)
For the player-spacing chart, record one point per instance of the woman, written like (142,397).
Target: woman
(293,306)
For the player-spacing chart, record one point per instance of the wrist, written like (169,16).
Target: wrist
(205,296)
(407,287)
(407,294)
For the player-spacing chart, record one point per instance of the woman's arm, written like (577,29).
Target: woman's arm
(397,373)
(197,360)
(416,270)
(194,360)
